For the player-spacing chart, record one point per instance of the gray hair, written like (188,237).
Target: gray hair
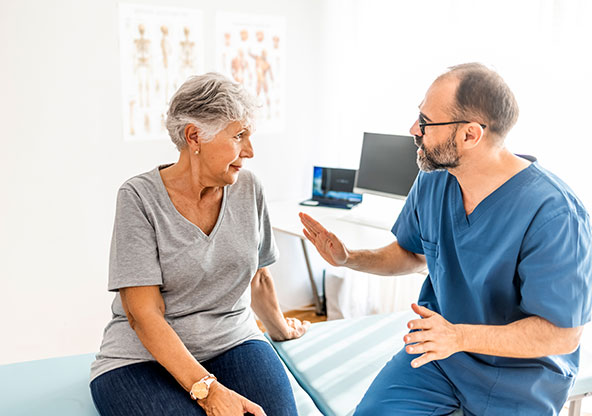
(210,102)
(483,96)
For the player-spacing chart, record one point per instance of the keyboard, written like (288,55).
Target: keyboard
(329,203)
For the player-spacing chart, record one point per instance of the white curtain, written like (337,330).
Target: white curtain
(350,294)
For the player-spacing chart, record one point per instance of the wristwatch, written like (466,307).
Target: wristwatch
(201,388)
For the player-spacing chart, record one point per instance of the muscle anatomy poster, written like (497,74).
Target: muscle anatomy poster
(252,51)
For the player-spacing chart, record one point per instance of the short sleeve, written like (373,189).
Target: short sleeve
(134,258)
(555,270)
(268,252)
(406,228)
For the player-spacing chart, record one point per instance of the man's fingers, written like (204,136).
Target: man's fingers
(420,348)
(308,235)
(307,221)
(419,324)
(314,227)
(421,311)
(423,359)
(321,241)
(316,233)
(312,235)
(305,218)
(418,336)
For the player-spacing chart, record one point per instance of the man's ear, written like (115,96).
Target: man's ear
(192,136)
(473,135)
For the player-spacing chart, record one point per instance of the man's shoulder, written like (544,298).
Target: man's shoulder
(552,193)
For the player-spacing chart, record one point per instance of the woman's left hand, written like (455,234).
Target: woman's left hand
(295,328)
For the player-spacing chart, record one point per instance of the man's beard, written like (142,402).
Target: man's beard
(443,156)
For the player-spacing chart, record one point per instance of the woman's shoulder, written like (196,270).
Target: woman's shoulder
(247,189)
(248,179)
(144,184)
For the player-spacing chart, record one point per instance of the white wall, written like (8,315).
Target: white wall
(63,158)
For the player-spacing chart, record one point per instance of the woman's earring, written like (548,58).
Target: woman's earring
(197,152)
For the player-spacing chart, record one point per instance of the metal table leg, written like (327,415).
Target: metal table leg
(575,407)
(319,302)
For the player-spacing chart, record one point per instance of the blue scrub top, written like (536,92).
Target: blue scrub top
(525,250)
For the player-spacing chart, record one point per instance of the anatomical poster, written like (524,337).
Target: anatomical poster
(251,50)
(160,48)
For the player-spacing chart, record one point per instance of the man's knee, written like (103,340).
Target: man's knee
(401,389)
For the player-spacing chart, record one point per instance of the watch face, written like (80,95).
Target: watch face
(200,391)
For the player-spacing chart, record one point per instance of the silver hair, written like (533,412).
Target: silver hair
(210,102)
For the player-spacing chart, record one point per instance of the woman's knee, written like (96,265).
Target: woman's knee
(256,372)
(141,389)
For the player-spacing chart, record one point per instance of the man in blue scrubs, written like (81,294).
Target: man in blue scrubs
(508,249)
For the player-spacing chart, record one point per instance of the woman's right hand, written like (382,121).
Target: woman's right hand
(327,244)
(222,401)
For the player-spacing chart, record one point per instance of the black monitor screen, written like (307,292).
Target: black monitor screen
(387,165)
(341,180)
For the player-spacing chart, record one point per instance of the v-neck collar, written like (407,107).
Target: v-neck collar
(184,220)
(505,190)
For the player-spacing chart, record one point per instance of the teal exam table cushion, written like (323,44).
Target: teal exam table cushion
(336,361)
(59,386)
(56,386)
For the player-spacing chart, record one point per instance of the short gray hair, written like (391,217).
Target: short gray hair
(210,102)
(483,96)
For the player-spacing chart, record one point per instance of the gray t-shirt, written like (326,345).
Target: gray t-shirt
(204,280)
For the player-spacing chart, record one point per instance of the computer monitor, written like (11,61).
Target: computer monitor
(388,165)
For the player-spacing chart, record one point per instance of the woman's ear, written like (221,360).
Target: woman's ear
(192,136)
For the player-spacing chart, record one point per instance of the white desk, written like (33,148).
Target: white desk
(284,218)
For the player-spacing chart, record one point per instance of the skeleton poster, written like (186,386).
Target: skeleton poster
(160,48)
(251,50)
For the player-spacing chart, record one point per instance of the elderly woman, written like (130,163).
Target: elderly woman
(189,256)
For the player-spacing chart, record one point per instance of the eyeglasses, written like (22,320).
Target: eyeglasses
(423,124)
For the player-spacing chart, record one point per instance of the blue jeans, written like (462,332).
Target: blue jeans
(252,369)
